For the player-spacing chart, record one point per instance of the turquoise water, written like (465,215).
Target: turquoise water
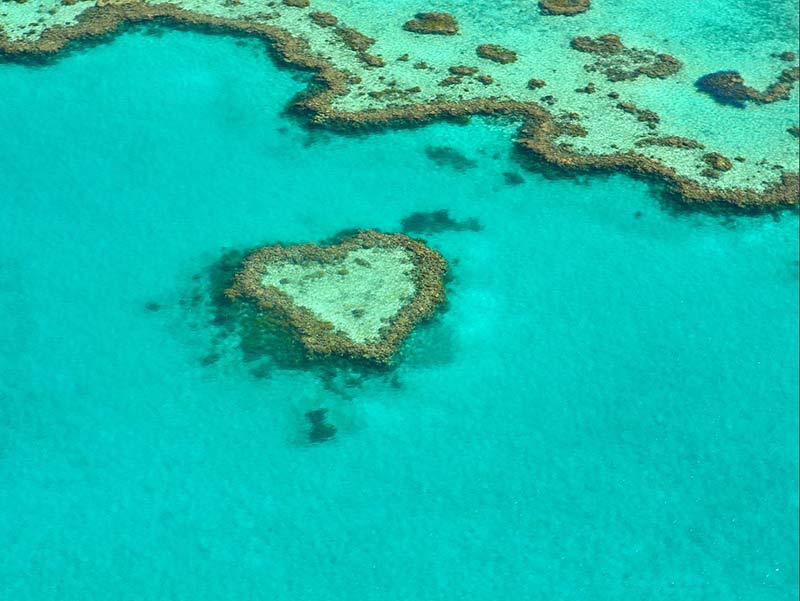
(607,410)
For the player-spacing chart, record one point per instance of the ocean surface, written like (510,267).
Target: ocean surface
(607,409)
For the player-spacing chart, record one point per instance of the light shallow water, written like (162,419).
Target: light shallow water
(608,409)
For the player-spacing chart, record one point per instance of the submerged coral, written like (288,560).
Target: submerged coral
(432,23)
(728,87)
(435,222)
(347,94)
(496,53)
(671,141)
(619,63)
(447,156)
(320,430)
(564,7)
(359,298)
(323,19)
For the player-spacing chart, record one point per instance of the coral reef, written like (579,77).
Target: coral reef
(496,53)
(644,115)
(355,40)
(564,7)
(717,161)
(323,19)
(620,63)
(320,430)
(321,103)
(447,156)
(364,313)
(435,222)
(462,70)
(438,23)
(728,87)
(671,141)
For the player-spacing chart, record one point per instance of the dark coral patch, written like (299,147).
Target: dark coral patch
(728,87)
(447,156)
(320,430)
(437,23)
(496,53)
(564,7)
(438,221)
(620,63)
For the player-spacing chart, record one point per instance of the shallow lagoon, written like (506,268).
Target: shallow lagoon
(608,409)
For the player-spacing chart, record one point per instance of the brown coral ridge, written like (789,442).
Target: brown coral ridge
(496,53)
(620,63)
(564,7)
(319,336)
(537,135)
(717,161)
(672,142)
(728,87)
(323,19)
(649,117)
(434,23)
(359,43)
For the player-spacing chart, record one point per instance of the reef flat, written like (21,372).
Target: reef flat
(358,298)
(585,99)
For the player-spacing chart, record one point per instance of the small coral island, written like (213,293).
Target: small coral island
(359,298)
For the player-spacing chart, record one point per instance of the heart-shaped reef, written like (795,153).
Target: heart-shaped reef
(358,298)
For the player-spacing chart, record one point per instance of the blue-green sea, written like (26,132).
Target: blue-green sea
(607,410)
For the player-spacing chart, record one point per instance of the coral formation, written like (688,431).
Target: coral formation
(355,40)
(717,161)
(435,222)
(496,53)
(620,63)
(644,115)
(367,312)
(323,19)
(322,103)
(447,156)
(728,87)
(432,23)
(564,7)
(320,430)
(671,141)
(462,70)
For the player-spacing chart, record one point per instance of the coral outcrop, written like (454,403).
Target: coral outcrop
(496,53)
(728,87)
(359,298)
(436,23)
(620,63)
(347,93)
(564,7)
